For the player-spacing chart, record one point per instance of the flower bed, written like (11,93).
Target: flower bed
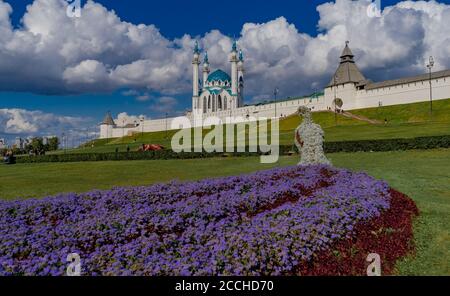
(274,222)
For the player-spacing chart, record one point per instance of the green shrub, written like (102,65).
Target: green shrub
(330,147)
(421,143)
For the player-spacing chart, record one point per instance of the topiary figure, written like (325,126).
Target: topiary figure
(309,138)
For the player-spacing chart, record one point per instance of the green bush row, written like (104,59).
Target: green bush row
(421,143)
(330,147)
(151,155)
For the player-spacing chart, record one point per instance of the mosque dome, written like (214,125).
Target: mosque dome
(219,75)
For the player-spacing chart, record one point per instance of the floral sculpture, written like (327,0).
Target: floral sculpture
(309,138)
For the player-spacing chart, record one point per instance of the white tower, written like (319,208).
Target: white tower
(234,74)
(206,69)
(240,75)
(107,126)
(195,78)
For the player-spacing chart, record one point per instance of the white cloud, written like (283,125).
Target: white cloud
(22,122)
(140,96)
(130,93)
(124,119)
(99,52)
(87,74)
(164,104)
(143,98)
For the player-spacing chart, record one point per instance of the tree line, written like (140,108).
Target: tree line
(36,146)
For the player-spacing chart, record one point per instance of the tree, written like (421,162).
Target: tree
(53,144)
(37,145)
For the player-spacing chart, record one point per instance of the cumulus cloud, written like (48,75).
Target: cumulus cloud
(99,52)
(125,119)
(21,122)
(164,104)
(140,96)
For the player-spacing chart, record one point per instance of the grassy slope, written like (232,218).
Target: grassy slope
(418,112)
(423,175)
(405,121)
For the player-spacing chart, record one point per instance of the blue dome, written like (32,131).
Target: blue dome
(219,75)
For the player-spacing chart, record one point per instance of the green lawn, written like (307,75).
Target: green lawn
(423,175)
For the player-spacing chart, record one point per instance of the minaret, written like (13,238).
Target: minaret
(195,77)
(206,69)
(240,68)
(234,74)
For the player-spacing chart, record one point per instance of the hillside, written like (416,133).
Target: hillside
(404,121)
(410,113)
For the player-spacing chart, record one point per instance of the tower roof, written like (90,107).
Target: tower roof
(348,70)
(108,119)
(347,52)
(219,75)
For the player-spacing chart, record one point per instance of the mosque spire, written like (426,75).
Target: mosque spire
(196,48)
(234,48)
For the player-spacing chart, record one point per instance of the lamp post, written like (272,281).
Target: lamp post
(64,141)
(335,97)
(87,136)
(107,132)
(123,129)
(430,67)
(167,114)
(141,119)
(275,93)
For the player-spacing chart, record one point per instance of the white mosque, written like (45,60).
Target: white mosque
(222,95)
(218,91)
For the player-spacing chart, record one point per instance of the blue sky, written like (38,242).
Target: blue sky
(174,19)
(298,23)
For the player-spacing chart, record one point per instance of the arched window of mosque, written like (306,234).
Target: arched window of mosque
(204,103)
(225,103)
(209,102)
(219,102)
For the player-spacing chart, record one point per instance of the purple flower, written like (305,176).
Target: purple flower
(258,224)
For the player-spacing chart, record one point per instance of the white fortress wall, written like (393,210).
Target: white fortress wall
(403,94)
(283,108)
(407,93)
